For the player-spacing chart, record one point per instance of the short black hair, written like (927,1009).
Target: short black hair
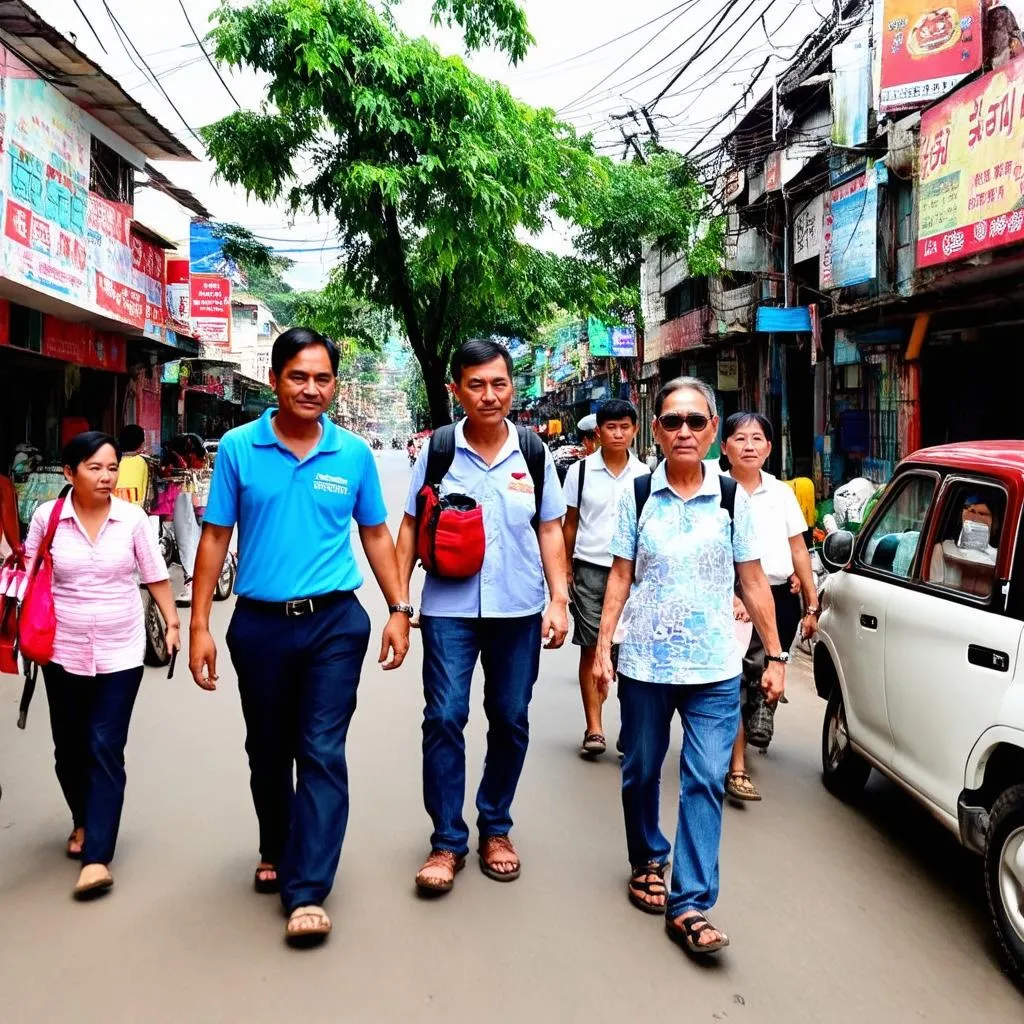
(293,341)
(132,437)
(617,409)
(741,419)
(85,446)
(477,352)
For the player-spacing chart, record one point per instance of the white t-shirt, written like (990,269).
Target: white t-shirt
(777,518)
(599,514)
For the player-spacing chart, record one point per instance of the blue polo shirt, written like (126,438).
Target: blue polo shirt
(294,518)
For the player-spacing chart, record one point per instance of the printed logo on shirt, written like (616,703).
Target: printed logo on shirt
(330,484)
(519,483)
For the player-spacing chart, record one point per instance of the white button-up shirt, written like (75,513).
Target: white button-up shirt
(598,514)
(777,518)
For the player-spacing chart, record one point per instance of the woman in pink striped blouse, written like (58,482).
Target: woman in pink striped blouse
(101,549)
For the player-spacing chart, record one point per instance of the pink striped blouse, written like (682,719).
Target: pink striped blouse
(100,626)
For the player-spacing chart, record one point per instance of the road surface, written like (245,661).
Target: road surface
(836,914)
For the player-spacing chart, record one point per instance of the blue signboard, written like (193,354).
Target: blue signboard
(205,253)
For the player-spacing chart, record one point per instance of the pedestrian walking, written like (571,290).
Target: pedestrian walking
(293,482)
(779,528)
(587,431)
(592,490)
(101,547)
(133,473)
(683,534)
(494,612)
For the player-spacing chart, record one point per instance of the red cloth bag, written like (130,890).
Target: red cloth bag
(450,537)
(37,621)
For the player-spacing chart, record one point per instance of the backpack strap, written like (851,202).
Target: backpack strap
(641,492)
(728,500)
(579,489)
(535,454)
(440,454)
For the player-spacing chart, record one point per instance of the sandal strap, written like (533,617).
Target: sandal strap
(697,924)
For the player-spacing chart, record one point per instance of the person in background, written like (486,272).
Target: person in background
(99,545)
(499,617)
(133,475)
(779,527)
(296,484)
(676,560)
(592,489)
(587,430)
(953,564)
(186,452)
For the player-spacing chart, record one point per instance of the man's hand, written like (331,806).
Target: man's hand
(773,682)
(604,671)
(809,627)
(202,658)
(554,627)
(395,642)
(794,584)
(739,610)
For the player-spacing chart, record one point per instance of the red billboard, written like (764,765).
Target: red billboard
(211,308)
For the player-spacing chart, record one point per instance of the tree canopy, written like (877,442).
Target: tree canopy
(435,177)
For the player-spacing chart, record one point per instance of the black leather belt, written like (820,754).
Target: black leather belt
(297,608)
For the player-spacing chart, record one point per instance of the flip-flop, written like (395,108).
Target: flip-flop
(308,937)
(266,886)
(90,890)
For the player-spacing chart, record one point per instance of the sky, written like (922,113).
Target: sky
(593,59)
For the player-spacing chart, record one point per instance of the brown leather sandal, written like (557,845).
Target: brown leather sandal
(645,882)
(687,932)
(451,863)
(490,848)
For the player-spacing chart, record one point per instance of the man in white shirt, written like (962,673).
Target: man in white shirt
(592,490)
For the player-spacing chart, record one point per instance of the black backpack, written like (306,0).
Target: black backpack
(441,454)
(642,491)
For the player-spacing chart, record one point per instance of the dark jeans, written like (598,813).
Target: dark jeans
(509,650)
(710,716)
(89,719)
(788,612)
(297,678)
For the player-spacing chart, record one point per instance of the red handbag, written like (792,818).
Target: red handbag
(450,538)
(37,621)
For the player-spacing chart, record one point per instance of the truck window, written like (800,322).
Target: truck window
(966,549)
(895,536)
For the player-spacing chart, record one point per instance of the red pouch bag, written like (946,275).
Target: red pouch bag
(37,621)
(450,537)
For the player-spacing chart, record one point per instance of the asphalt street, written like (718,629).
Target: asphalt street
(839,914)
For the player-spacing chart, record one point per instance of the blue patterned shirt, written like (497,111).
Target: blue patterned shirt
(678,623)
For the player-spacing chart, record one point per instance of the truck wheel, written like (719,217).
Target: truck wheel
(1004,877)
(157,654)
(844,772)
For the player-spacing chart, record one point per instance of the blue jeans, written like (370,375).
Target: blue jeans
(297,678)
(509,650)
(89,719)
(710,716)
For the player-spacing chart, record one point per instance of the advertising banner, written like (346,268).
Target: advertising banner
(606,342)
(971,191)
(851,89)
(83,345)
(179,303)
(206,254)
(46,157)
(927,50)
(850,235)
(807,230)
(210,297)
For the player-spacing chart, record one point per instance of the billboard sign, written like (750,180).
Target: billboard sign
(927,49)
(210,298)
(849,253)
(971,189)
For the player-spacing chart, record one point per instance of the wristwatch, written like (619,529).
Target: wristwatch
(405,609)
(780,659)
(813,610)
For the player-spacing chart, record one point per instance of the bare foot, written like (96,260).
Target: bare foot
(75,843)
(93,880)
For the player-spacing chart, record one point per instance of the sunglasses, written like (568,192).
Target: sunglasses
(672,421)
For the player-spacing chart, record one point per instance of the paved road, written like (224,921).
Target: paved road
(836,914)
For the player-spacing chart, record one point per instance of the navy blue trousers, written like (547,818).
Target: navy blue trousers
(297,678)
(89,719)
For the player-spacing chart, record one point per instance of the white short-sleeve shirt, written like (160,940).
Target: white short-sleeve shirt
(777,518)
(599,512)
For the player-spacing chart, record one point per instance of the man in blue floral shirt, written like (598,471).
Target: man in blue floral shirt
(677,562)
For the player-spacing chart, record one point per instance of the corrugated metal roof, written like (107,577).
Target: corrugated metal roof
(86,84)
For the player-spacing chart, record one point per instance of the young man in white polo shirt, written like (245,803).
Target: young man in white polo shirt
(592,490)
(779,528)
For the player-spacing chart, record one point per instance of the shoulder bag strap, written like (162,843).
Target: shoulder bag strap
(728,500)
(534,452)
(579,489)
(440,454)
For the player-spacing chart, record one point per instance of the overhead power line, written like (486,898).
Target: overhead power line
(95,34)
(206,54)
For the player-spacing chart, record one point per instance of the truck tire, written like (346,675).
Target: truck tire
(1004,878)
(844,772)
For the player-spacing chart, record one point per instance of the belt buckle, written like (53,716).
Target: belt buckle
(296,609)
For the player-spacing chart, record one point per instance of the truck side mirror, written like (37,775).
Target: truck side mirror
(837,551)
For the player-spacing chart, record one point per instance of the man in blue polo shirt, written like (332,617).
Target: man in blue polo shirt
(293,482)
(500,616)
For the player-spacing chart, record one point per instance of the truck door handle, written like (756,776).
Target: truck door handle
(869,622)
(986,657)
